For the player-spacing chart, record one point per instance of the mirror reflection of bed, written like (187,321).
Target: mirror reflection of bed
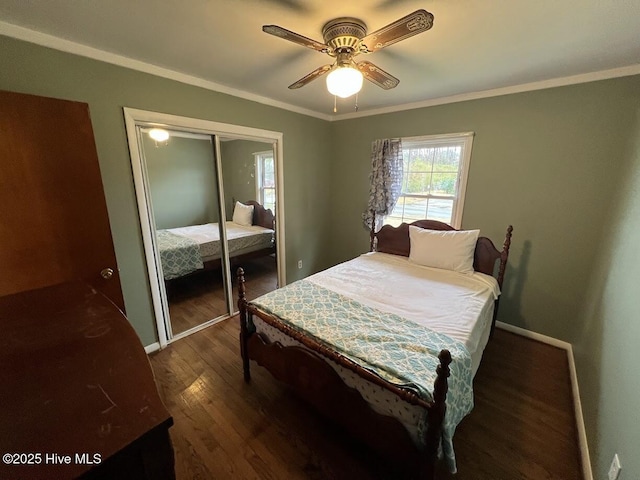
(196,296)
(185,199)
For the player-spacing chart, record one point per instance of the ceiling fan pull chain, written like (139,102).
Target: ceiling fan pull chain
(356,102)
(335,107)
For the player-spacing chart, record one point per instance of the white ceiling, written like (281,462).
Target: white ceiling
(474,46)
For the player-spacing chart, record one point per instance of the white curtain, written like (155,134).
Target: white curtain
(385,180)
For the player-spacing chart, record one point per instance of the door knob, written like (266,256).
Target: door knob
(107,273)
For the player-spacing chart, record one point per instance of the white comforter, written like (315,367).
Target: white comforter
(240,237)
(457,304)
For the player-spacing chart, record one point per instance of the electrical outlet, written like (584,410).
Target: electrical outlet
(614,469)
(299,264)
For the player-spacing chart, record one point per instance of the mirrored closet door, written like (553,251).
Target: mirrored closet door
(248,174)
(208,195)
(185,205)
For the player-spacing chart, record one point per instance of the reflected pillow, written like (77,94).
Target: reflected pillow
(243,214)
(449,250)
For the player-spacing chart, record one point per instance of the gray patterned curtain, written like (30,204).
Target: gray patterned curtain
(385,180)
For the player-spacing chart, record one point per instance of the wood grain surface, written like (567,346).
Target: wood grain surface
(522,426)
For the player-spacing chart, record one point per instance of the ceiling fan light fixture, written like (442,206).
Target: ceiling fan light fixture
(344,39)
(159,134)
(344,81)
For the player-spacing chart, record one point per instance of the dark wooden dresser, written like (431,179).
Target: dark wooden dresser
(77,394)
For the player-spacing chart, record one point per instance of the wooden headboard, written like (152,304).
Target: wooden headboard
(262,216)
(395,240)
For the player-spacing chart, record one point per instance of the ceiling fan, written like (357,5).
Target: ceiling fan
(344,39)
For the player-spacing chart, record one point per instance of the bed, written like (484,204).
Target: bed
(377,342)
(186,250)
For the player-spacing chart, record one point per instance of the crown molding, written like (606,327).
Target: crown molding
(496,92)
(57,43)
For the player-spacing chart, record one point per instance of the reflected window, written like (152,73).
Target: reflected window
(266,180)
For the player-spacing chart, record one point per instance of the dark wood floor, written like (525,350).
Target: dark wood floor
(522,426)
(200,297)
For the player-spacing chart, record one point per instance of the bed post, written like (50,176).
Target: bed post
(242,306)
(435,415)
(504,255)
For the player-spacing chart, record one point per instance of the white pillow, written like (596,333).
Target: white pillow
(449,250)
(243,214)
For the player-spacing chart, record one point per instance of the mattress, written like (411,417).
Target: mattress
(456,304)
(241,239)
(184,250)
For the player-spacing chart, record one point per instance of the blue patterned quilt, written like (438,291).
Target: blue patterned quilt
(179,255)
(396,349)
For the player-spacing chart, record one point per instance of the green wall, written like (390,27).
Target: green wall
(182,181)
(545,161)
(29,68)
(608,330)
(239,170)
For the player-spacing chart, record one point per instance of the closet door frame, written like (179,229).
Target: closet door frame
(134,118)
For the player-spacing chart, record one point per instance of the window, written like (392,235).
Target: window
(434,179)
(266,180)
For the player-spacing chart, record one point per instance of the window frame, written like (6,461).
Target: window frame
(259,169)
(430,141)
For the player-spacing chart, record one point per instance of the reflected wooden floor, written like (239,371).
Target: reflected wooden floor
(200,297)
(522,426)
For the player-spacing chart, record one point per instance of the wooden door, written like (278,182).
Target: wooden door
(54,225)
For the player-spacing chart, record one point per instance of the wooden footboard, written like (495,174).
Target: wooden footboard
(306,371)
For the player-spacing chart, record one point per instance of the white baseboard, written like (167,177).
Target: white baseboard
(577,405)
(154,347)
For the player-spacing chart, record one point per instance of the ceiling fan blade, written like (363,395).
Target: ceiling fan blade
(376,75)
(295,38)
(413,24)
(318,72)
